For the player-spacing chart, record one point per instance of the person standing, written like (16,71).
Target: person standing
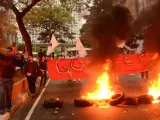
(31,71)
(7,70)
(43,71)
(140,50)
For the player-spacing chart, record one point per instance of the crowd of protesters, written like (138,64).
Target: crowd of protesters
(32,69)
(9,60)
(135,46)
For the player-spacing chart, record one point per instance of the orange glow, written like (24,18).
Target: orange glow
(103,90)
(154,89)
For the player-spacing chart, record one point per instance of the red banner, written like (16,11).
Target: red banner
(126,64)
(60,69)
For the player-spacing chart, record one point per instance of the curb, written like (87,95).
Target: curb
(7,115)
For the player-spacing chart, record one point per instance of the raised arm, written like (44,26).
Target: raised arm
(128,48)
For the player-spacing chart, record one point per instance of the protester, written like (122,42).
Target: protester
(7,68)
(43,69)
(140,50)
(129,49)
(31,71)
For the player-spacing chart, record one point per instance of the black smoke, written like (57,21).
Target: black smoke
(105,29)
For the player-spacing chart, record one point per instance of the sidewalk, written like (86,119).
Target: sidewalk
(20,100)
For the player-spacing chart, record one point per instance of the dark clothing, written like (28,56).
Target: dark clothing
(7,70)
(43,66)
(31,67)
(7,66)
(43,79)
(6,85)
(32,86)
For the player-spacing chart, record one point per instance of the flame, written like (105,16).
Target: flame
(104,90)
(154,89)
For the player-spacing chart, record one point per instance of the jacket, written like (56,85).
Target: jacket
(7,66)
(35,68)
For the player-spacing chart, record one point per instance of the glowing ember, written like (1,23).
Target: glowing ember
(154,89)
(103,90)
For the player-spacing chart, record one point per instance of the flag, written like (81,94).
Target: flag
(54,43)
(81,50)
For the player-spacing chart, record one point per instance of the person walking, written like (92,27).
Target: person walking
(31,69)
(7,70)
(43,71)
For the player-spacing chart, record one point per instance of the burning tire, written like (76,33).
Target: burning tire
(117,99)
(130,101)
(145,99)
(53,103)
(82,103)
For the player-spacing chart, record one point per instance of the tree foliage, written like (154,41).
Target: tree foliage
(51,19)
(20,8)
(7,22)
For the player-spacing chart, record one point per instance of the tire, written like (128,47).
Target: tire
(47,104)
(82,103)
(58,103)
(117,99)
(53,103)
(131,101)
(145,99)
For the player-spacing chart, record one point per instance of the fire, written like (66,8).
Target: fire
(154,89)
(103,90)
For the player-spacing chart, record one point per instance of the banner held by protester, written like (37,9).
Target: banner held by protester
(62,69)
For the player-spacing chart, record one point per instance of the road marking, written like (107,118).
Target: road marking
(36,103)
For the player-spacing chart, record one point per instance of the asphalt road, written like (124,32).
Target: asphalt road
(130,84)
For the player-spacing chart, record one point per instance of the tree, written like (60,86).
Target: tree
(7,22)
(51,19)
(54,18)
(20,8)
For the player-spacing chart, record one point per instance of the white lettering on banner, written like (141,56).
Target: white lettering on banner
(67,68)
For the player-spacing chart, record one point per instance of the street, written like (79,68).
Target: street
(131,84)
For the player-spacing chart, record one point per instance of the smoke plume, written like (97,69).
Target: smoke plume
(151,33)
(109,28)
